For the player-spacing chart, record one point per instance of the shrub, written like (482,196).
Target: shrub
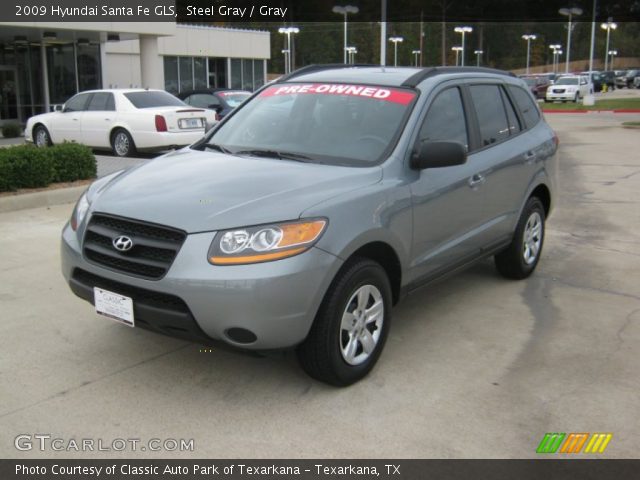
(72,161)
(26,166)
(11,130)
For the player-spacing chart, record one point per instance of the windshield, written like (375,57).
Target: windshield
(530,81)
(324,123)
(150,99)
(234,99)
(567,81)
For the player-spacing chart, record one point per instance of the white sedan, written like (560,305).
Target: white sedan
(568,88)
(124,120)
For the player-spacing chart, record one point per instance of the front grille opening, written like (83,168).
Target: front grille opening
(154,246)
(150,298)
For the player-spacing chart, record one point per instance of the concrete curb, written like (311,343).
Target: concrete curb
(45,198)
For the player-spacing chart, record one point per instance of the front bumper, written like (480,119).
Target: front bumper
(551,96)
(276,301)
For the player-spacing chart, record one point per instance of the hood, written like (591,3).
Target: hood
(203,191)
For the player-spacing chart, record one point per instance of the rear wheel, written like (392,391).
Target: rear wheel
(351,327)
(41,137)
(520,259)
(122,143)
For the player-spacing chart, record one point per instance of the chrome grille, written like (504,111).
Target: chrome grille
(154,246)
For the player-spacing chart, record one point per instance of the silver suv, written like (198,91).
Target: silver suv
(313,208)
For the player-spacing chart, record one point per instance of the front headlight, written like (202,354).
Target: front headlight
(79,211)
(264,243)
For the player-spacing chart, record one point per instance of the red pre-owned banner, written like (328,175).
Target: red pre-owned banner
(386,94)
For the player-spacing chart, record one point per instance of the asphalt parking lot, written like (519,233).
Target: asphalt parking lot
(475,367)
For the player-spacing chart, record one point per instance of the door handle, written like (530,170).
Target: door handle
(529,157)
(476,180)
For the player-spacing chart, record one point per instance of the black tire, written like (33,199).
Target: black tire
(576,98)
(512,262)
(122,144)
(41,137)
(321,354)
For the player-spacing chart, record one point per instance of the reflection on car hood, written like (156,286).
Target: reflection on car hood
(201,191)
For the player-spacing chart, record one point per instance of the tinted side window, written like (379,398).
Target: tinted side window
(514,124)
(202,100)
(101,102)
(491,115)
(77,103)
(525,103)
(445,120)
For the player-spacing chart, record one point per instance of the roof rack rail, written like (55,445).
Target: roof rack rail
(418,77)
(318,67)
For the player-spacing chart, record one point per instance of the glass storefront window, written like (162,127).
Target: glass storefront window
(258,74)
(186,73)
(247,74)
(62,72)
(199,72)
(236,73)
(89,71)
(217,72)
(171,74)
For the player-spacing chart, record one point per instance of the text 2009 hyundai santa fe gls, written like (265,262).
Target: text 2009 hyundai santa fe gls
(305,215)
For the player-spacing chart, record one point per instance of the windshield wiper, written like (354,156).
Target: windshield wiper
(219,148)
(275,154)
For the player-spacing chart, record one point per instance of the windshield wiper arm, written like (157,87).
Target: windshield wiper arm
(275,154)
(219,148)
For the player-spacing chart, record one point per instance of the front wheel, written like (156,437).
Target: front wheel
(351,327)
(41,137)
(521,257)
(122,143)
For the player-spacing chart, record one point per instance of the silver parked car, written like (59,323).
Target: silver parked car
(315,206)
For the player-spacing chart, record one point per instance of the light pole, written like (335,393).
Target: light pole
(288,31)
(569,12)
(396,41)
(285,52)
(457,50)
(478,55)
(463,30)
(416,53)
(555,49)
(528,38)
(351,51)
(345,10)
(608,27)
(612,54)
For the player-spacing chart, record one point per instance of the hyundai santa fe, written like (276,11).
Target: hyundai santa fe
(304,216)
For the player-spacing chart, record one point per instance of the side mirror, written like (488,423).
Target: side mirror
(58,108)
(439,154)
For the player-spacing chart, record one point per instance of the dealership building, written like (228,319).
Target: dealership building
(42,64)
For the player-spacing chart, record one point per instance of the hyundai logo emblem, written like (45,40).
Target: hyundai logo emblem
(122,243)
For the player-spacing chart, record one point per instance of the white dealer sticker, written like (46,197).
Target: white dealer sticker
(113,305)
(395,95)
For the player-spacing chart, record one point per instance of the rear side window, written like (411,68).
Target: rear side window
(445,121)
(514,124)
(526,106)
(153,99)
(101,101)
(492,119)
